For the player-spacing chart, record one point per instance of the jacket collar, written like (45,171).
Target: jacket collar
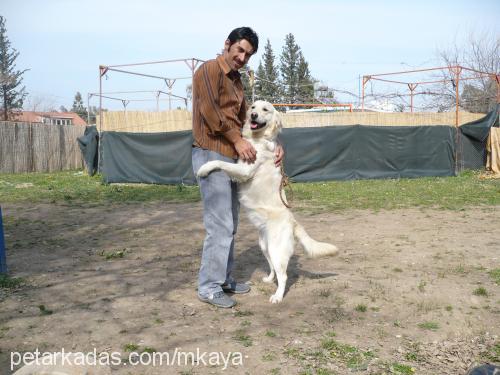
(226,69)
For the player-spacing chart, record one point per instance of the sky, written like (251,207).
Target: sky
(63,42)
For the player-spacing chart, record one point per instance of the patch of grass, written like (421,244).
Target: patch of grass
(270,333)
(495,275)
(149,350)
(398,368)
(44,310)
(427,305)
(240,313)
(449,308)
(414,353)
(8,282)
(460,270)
(243,338)
(481,291)
(325,293)
(268,357)
(292,352)
(397,269)
(354,358)
(421,286)
(492,354)
(130,347)
(432,326)
(115,254)
(324,371)
(245,323)
(361,307)
(71,187)
(453,193)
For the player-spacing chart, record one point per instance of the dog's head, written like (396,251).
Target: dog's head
(263,121)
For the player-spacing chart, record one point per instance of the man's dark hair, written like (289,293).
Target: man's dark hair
(244,33)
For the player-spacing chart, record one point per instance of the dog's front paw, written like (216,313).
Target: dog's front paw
(206,168)
(203,171)
(275,298)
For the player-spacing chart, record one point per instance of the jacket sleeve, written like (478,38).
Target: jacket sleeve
(220,121)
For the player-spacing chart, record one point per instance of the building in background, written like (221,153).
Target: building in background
(51,118)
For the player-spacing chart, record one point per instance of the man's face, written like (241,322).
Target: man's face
(238,54)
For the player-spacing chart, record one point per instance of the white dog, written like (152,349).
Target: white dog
(259,191)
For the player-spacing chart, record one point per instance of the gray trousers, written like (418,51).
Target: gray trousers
(220,217)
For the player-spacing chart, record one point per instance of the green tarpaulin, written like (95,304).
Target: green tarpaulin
(312,154)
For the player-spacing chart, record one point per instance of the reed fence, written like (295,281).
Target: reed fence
(35,147)
(167,121)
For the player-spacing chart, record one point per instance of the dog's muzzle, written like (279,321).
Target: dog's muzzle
(254,125)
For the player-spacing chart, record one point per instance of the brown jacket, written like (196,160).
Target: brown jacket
(219,107)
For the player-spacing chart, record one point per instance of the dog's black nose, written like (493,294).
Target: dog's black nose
(254,115)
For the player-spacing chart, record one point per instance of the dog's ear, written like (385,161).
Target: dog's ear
(277,121)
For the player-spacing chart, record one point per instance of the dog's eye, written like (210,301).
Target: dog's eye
(253,107)
(265,109)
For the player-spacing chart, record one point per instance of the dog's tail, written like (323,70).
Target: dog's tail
(312,247)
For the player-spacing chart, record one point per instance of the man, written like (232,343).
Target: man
(219,111)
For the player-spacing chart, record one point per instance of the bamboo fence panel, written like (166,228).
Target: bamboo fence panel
(167,121)
(34,147)
(146,122)
(308,119)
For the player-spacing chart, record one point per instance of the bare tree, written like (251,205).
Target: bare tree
(482,54)
(39,103)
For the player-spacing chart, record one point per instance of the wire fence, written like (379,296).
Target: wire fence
(35,147)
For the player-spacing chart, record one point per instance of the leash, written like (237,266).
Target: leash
(285,181)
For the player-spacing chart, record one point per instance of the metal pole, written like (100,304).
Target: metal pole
(3,258)
(100,99)
(497,79)
(365,79)
(457,80)
(88,108)
(99,132)
(359,90)
(456,70)
(412,87)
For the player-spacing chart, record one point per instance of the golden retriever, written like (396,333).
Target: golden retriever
(259,192)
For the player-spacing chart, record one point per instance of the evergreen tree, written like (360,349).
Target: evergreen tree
(11,92)
(305,81)
(267,84)
(247,85)
(78,106)
(289,62)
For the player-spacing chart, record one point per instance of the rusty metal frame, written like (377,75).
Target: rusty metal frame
(456,71)
(191,63)
(348,105)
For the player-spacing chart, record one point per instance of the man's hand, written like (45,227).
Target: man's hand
(279,153)
(245,150)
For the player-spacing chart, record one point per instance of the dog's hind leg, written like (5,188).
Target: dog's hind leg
(280,251)
(263,246)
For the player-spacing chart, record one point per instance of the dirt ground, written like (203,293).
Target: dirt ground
(401,297)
